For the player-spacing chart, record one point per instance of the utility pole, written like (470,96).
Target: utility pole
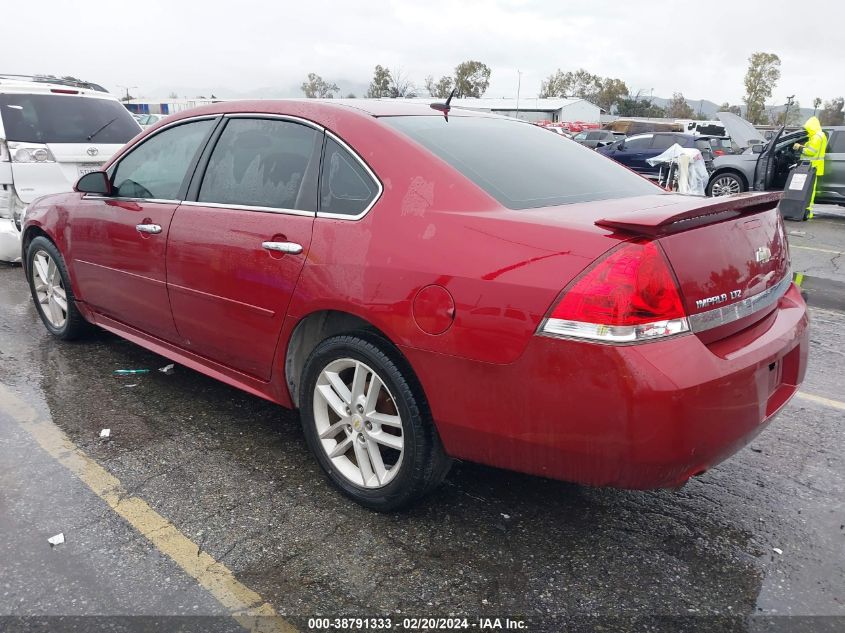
(786,112)
(128,88)
(518,86)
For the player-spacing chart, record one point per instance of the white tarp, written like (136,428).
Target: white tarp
(692,172)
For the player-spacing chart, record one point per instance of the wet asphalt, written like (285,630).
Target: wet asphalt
(232,472)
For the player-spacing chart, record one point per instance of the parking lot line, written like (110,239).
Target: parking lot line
(246,606)
(818,250)
(836,404)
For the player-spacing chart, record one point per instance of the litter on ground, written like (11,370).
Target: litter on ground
(105,433)
(168,369)
(130,372)
(57,540)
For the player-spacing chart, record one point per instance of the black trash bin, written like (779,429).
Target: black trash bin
(798,191)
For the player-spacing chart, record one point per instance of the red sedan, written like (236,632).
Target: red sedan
(425,287)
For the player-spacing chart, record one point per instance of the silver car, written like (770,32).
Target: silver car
(765,166)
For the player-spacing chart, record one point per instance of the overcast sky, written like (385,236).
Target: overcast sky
(264,48)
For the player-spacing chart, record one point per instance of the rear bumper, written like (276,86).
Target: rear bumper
(10,241)
(640,416)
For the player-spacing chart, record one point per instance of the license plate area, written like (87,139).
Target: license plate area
(87,169)
(775,375)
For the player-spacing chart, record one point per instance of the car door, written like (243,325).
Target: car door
(119,241)
(831,186)
(634,152)
(238,243)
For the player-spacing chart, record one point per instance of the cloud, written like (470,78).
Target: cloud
(251,47)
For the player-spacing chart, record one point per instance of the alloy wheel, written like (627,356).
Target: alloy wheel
(49,289)
(358,423)
(725,186)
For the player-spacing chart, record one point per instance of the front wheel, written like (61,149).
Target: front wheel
(725,185)
(49,284)
(367,422)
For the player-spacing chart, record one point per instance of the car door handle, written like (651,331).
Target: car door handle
(155,229)
(283,247)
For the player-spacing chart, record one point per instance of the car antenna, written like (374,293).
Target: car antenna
(444,107)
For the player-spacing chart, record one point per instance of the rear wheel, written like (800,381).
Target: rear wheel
(367,422)
(725,185)
(51,291)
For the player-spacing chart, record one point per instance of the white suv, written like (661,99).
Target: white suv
(52,131)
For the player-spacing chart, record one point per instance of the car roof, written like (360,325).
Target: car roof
(9,85)
(322,108)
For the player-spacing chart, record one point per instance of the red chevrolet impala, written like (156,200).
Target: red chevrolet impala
(425,287)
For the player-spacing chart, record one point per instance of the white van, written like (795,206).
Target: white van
(52,131)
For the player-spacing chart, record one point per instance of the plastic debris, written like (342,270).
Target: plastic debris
(105,433)
(168,369)
(777,550)
(130,372)
(505,516)
(57,540)
(798,233)
(134,384)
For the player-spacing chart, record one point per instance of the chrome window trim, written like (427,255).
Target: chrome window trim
(370,172)
(246,207)
(270,115)
(96,196)
(723,315)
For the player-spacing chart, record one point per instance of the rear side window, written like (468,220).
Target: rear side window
(521,165)
(345,186)
(52,118)
(156,168)
(262,163)
(665,141)
(837,143)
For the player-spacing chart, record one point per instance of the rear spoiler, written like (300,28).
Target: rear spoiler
(688,212)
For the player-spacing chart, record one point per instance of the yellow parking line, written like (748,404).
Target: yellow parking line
(818,250)
(246,606)
(836,404)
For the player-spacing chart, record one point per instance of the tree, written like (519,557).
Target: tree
(471,79)
(440,89)
(400,85)
(351,95)
(173,95)
(380,85)
(832,113)
(761,78)
(638,106)
(816,103)
(315,87)
(604,92)
(733,109)
(678,108)
(793,117)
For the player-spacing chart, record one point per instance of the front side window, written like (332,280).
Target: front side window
(157,168)
(638,142)
(519,164)
(262,163)
(345,186)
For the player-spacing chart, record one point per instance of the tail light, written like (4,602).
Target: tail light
(30,153)
(629,296)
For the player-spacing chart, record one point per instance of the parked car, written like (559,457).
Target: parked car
(634,151)
(424,288)
(597,138)
(765,166)
(51,132)
(148,120)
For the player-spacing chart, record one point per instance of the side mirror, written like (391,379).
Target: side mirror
(621,145)
(756,149)
(94,182)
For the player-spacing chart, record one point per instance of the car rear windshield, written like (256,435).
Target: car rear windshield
(521,165)
(52,118)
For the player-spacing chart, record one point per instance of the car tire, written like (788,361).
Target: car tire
(725,184)
(379,448)
(49,284)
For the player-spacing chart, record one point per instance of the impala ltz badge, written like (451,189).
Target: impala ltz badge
(93,151)
(711,301)
(763,254)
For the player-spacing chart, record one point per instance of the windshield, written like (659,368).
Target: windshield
(521,165)
(44,118)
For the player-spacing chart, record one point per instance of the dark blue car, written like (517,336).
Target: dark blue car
(634,150)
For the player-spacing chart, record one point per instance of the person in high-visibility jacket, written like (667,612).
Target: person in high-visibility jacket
(813,150)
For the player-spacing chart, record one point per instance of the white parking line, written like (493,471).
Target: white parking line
(836,404)
(818,250)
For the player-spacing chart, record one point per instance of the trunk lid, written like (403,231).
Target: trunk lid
(729,255)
